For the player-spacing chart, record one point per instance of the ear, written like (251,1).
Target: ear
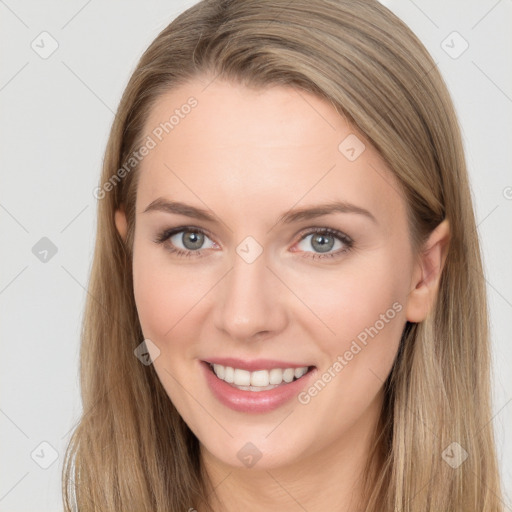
(427,273)
(120,220)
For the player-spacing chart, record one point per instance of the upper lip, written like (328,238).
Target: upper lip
(254,364)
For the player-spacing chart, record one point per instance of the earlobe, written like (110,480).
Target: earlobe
(427,274)
(121,224)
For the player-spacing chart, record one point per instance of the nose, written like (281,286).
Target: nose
(250,301)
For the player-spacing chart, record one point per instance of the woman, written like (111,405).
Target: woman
(287,308)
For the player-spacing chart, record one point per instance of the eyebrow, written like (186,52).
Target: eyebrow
(167,206)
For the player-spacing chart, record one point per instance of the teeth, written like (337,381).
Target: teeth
(242,378)
(260,379)
(229,374)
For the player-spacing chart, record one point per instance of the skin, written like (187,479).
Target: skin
(249,156)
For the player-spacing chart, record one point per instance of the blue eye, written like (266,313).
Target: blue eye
(189,241)
(323,240)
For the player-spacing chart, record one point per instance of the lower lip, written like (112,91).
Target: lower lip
(254,401)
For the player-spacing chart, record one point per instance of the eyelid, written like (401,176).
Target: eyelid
(334,232)
(346,240)
(166,234)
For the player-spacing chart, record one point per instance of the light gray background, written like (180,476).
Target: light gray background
(56,115)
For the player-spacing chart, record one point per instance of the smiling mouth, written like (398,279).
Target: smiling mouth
(259,380)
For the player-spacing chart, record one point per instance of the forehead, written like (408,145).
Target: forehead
(259,149)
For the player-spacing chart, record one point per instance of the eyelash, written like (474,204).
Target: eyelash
(345,239)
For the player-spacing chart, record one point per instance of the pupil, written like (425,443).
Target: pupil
(324,244)
(193,240)
(321,243)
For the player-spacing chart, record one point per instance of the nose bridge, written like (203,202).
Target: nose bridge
(249,304)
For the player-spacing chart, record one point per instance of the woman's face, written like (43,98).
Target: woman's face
(234,274)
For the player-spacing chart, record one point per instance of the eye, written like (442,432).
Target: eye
(185,241)
(324,240)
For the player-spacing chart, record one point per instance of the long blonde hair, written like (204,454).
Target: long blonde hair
(131,450)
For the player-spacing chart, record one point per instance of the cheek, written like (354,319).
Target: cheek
(165,296)
(360,305)
(363,305)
